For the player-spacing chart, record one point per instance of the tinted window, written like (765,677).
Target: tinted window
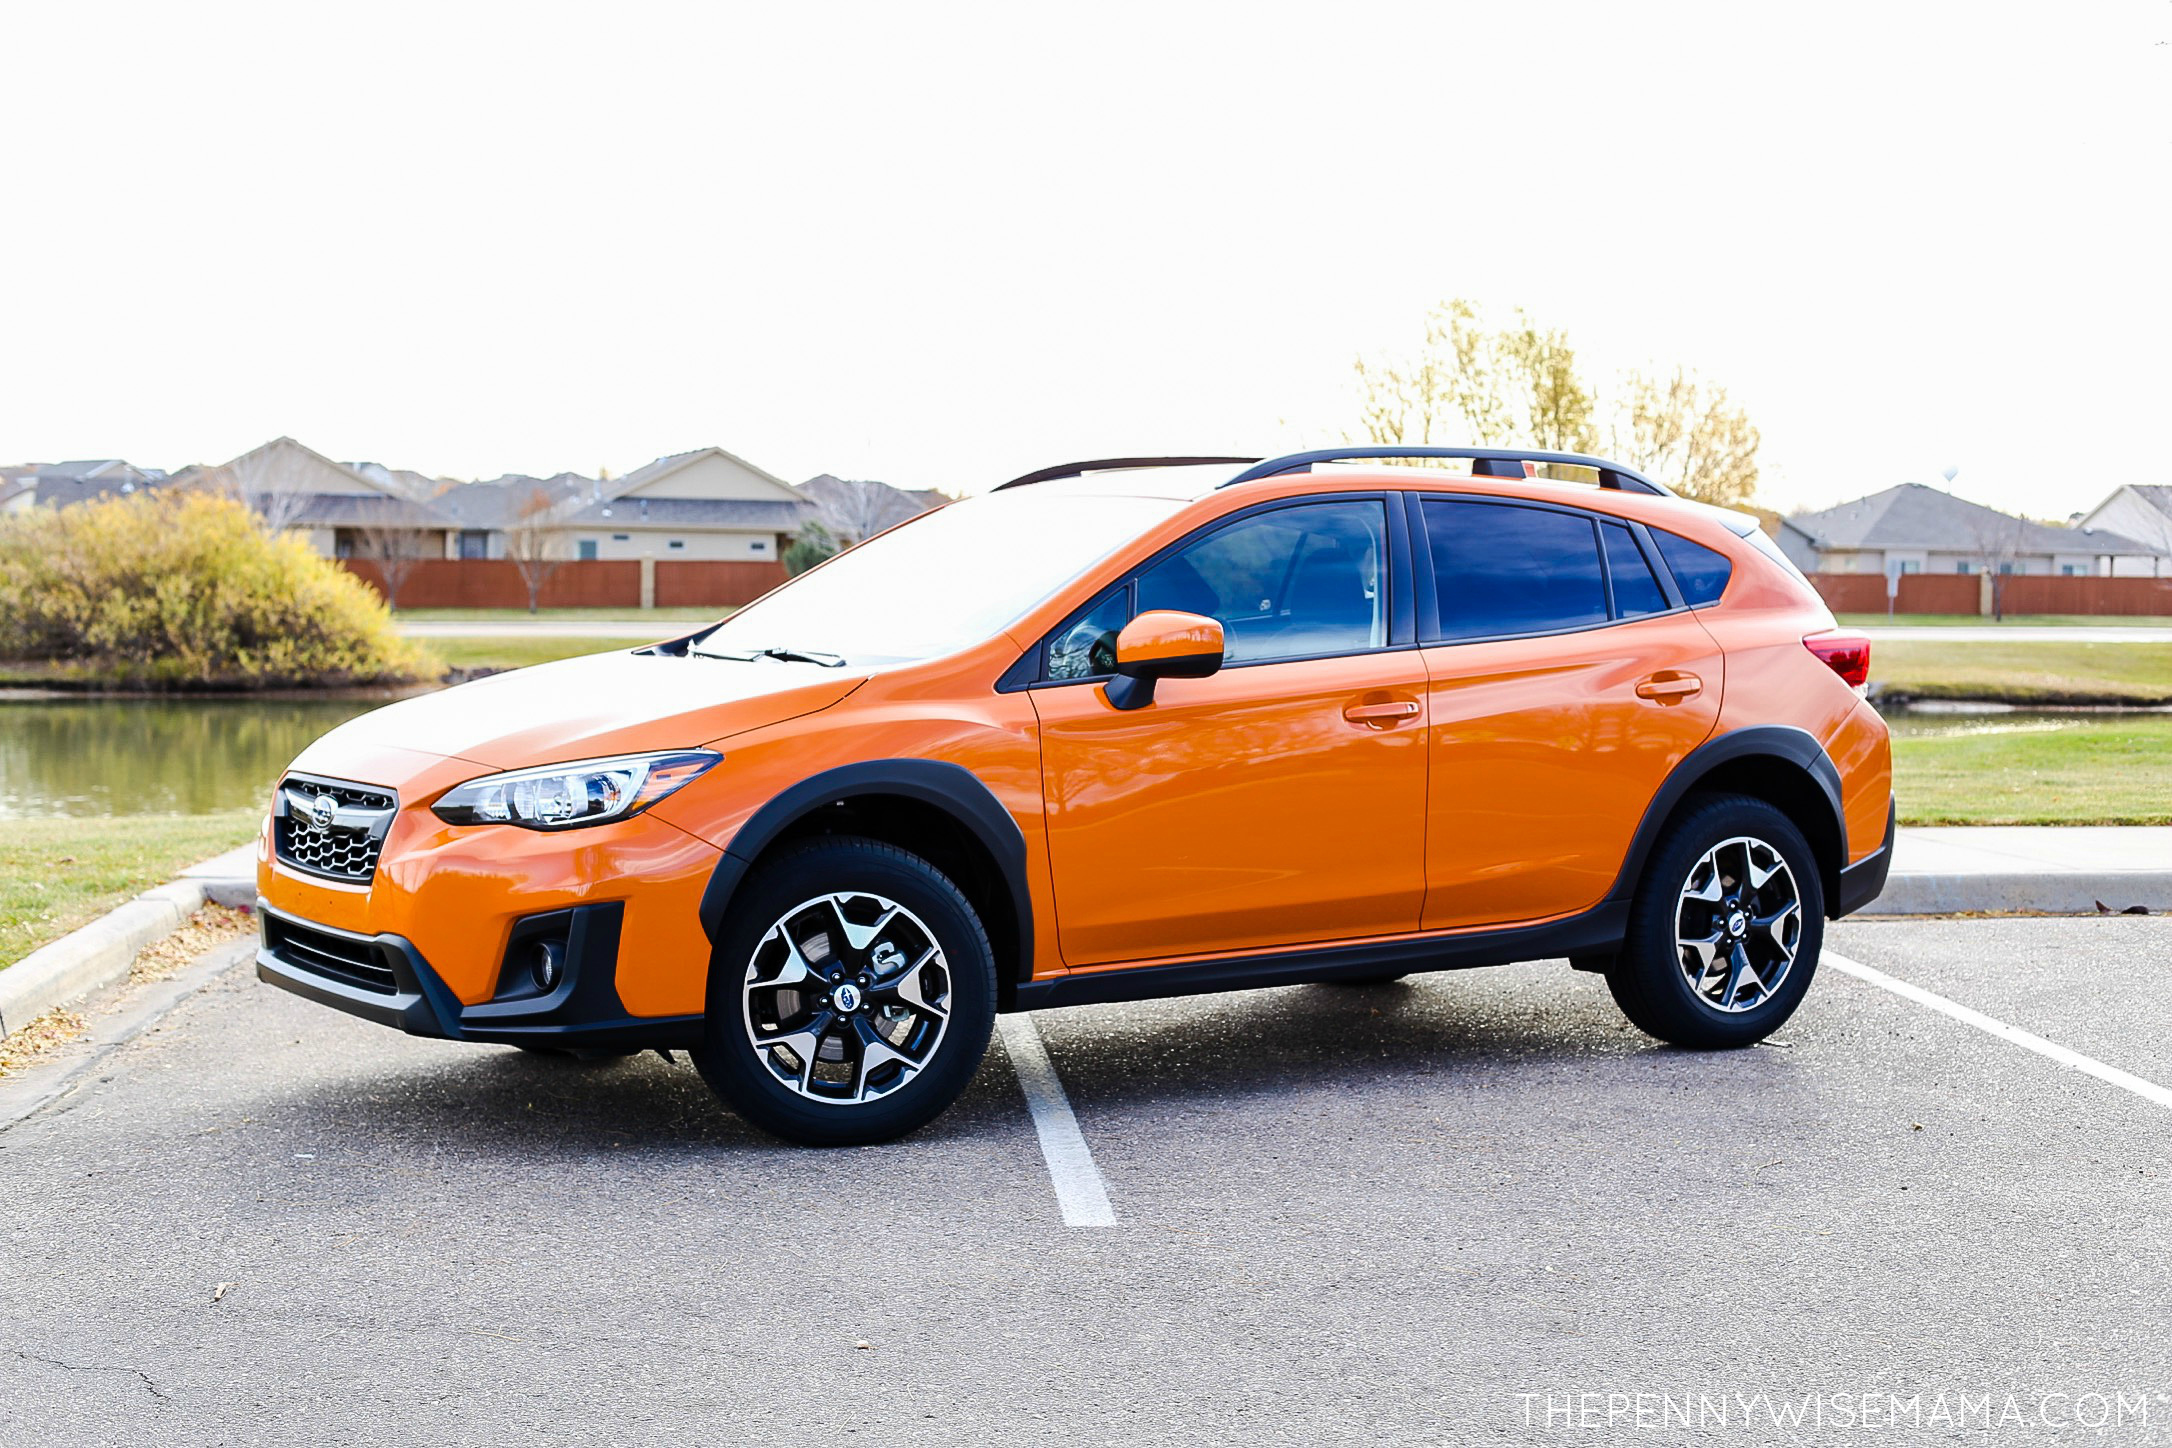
(1699,572)
(1285,584)
(1502,569)
(1636,590)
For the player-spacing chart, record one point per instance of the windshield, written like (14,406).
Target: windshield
(944,581)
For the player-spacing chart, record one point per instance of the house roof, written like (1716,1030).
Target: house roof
(1912,515)
(856,509)
(665,466)
(763,517)
(501,502)
(362,510)
(59,489)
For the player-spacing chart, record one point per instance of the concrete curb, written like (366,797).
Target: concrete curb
(2044,894)
(100,953)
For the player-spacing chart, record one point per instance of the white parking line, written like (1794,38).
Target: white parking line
(1080,1191)
(2087,1065)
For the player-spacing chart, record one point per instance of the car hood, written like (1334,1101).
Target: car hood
(583,708)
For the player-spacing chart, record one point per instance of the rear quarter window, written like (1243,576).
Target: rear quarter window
(1700,572)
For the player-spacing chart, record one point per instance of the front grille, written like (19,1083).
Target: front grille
(342,957)
(339,842)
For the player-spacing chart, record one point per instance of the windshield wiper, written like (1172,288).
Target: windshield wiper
(790,656)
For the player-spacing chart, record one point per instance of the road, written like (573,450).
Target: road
(1434,1212)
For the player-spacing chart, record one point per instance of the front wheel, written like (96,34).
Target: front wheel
(1724,929)
(852,995)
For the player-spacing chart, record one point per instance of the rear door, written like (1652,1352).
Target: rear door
(1280,801)
(1566,680)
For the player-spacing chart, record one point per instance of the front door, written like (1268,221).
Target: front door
(1278,802)
(1567,681)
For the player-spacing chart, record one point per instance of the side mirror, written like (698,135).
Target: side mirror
(1162,644)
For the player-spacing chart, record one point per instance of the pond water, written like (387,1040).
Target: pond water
(105,757)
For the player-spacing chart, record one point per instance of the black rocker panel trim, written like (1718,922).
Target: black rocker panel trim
(949,787)
(1595,931)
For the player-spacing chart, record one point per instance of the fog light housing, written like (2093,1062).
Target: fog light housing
(547,964)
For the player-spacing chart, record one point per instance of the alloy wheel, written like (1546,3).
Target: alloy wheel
(1738,924)
(847,998)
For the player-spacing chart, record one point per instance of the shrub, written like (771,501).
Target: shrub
(186,590)
(813,544)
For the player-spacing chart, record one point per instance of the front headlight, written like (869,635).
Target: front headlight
(565,796)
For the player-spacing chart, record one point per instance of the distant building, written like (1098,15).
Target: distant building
(346,512)
(60,485)
(1912,528)
(855,510)
(2142,511)
(707,504)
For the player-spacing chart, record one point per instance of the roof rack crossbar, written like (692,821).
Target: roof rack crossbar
(1096,465)
(1489,461)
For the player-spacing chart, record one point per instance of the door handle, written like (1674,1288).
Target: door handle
(1381,714)
(1669,688)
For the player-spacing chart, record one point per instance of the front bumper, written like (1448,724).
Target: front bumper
(384,978)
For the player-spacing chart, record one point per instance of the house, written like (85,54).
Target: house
(346,511)
(2142,511)
(856,510)
(60,485)
(1912,528)
(492,515)
(706,505)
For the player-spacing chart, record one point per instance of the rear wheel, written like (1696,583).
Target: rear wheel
(1725,927)
(852,995)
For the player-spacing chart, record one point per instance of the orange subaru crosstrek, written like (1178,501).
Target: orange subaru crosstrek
(1114,730)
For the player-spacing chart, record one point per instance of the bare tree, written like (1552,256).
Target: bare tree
(1474,383)
(1995,540)
(533,545)
(1686,431)
(395,550)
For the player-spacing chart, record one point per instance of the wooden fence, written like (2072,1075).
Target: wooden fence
(593,583)
(2023,593)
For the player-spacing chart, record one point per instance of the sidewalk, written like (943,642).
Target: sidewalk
(2054,869)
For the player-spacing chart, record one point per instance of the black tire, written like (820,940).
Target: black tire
(752,1080)
(1650,980)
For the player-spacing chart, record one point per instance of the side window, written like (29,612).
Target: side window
(1288,583)
(1636,589)
(1085,648)
(1502,569)
(1699,572)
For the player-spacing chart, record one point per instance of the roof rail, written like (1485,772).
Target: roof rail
(1072,470)
(1491,462)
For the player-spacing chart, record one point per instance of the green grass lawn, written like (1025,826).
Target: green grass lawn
(2115,771)
(518,653)
(564,615)
(56,874)
(2012,620)
(2024,671)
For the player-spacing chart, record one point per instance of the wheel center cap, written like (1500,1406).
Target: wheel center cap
(1737,923)
(847,997)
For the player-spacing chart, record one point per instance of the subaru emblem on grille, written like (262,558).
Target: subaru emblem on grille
(322,811)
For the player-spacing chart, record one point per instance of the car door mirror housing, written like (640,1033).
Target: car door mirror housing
(1162,644)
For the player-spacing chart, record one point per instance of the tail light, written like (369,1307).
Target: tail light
(1846,654)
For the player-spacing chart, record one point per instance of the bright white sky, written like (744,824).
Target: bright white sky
(941,245)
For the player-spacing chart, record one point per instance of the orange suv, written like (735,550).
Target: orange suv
(1115,730)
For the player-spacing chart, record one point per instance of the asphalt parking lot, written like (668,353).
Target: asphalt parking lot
(1470,1208)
